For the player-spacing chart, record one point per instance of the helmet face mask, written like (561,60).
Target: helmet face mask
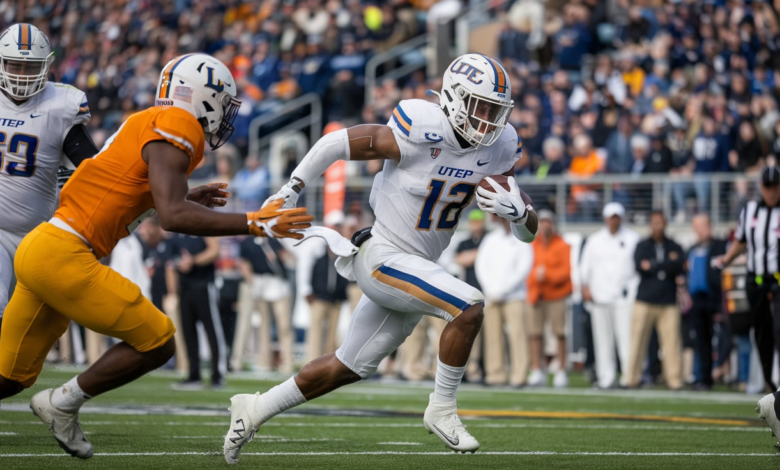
(474,96)
(485,120)
(204,87)
(218,138)
(25,58)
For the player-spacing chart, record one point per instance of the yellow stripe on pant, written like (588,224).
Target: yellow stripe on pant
(418,291)
(59,280)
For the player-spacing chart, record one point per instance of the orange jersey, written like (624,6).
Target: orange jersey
(108,196)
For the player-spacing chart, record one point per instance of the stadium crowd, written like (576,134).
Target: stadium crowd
(670,87)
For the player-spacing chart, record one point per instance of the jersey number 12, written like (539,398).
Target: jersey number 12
(450,214)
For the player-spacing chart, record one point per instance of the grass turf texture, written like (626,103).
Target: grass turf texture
(711,431)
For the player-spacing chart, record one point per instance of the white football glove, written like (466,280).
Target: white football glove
(503,203)
(289,193)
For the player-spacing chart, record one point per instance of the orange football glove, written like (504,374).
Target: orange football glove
(274,222)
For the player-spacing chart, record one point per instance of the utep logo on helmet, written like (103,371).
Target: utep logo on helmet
(459,68)
(219,86)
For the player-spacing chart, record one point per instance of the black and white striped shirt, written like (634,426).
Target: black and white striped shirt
(759,228)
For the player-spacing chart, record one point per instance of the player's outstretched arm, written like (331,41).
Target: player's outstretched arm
(168,182)
(359,143)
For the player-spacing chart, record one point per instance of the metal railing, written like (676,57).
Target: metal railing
(373,64)
(312,120)
(578,203)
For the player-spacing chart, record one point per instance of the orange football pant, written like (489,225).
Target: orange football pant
(59,280)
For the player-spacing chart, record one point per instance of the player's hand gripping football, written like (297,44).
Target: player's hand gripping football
(209,195)
(289,194)
(503,203)
(275,222)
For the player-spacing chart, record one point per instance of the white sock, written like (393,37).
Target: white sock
(69,397)
(448,379)
(284,396)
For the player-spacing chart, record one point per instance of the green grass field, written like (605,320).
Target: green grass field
(146,425)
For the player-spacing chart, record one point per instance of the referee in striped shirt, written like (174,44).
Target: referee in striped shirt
(758,232)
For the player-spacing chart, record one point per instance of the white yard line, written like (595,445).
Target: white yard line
(273,439)
(318,454)
(400,443)
(660,426)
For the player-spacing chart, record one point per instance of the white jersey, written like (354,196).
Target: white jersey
(31,151)
(419,200)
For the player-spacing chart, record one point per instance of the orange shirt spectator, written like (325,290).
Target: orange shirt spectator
(584,164)
(550,277)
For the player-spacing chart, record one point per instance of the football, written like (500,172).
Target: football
(500,179)
(533,222)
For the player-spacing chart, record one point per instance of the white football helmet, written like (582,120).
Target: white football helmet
(204,86)
(25,57)
(476,97)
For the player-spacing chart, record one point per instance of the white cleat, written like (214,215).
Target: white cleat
(537,378)
(244,422)
(561,380)
(766,411)
(442,419)
(64,425)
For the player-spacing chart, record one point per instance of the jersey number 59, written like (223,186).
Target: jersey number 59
(22,146)
(450,214)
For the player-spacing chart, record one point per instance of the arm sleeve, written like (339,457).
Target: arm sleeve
(585,261)
(78,145)
(677,265)
(740,234)
(640,254)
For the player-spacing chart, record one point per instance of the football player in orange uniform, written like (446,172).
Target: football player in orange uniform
(143,167)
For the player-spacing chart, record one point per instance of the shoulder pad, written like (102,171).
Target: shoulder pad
(417,121)
(72,100)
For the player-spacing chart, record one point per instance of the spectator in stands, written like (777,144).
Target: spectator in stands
(251,183)
(502,267)
(466,258)
(262,264)
(640,150)
(659,159)
(710,155)
(619,155)
(549,286)
(704,286)
(312,76)
(638,28)
(608,289)
(572,41)
(584,164)
(659,262)
(748,153)
(328,294)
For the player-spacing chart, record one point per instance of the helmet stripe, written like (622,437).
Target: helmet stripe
(165,90)
(500,86)
(25,31)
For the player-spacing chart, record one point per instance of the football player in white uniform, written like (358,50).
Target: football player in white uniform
(40,123)
(435,156)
